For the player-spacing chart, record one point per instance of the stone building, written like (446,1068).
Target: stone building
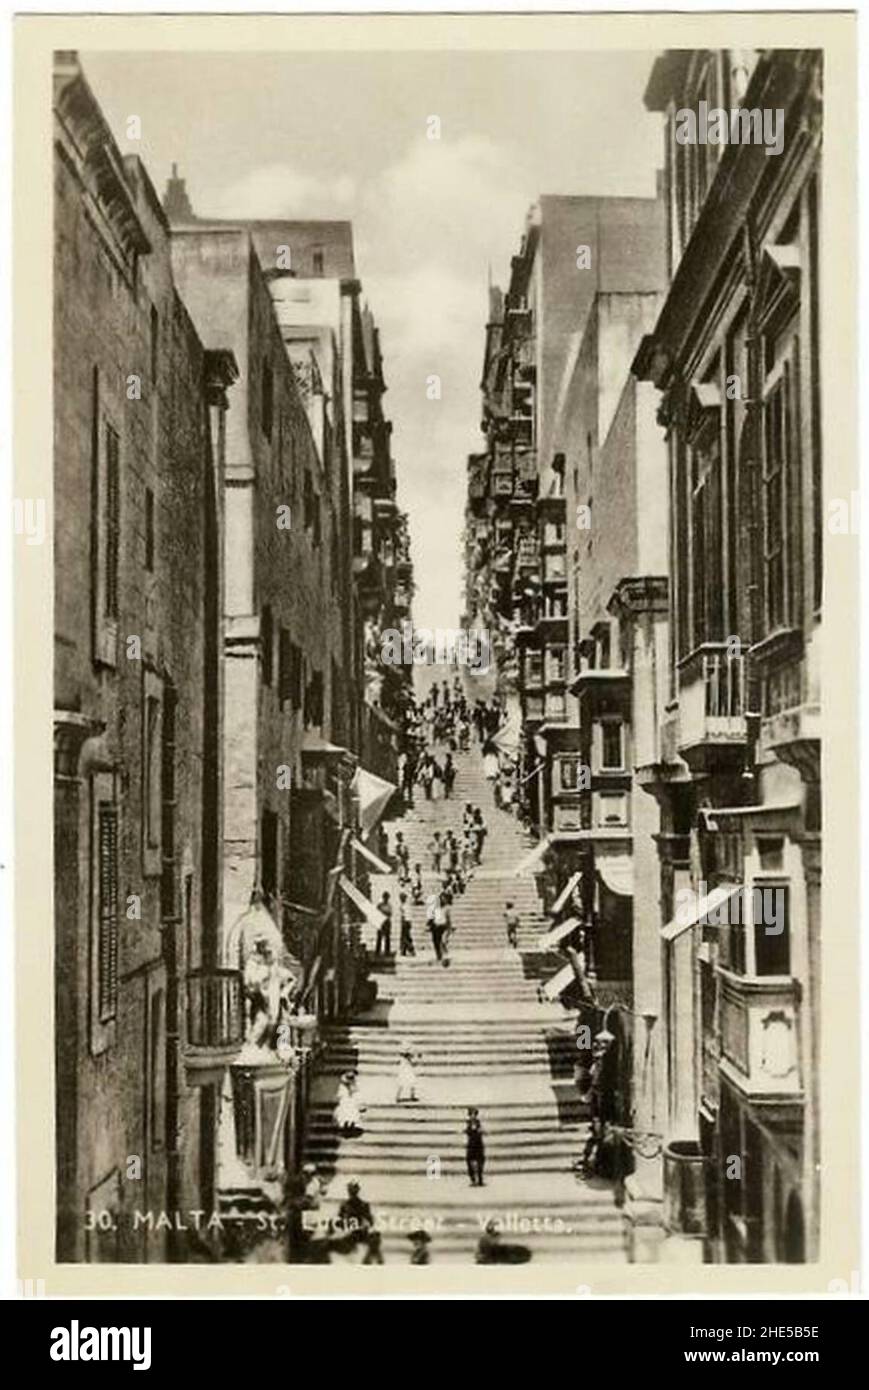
(283,637)
(523,491)
(311,272)
(139,408)
(735,356)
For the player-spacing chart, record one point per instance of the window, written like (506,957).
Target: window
(168,905)
(268,398)
(569,774)
(152,792)
(782,552)
(314,701)
(155,344)
(267,645)
(555,662)
(149,530)
(285,665)
(269,854)
(107,910)
(157,1071)
(612,751)
(707,590)
(772,927)
(612,809)
(111,523)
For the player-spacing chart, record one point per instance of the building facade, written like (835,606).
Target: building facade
(214,732)
(735,355)
(140,404)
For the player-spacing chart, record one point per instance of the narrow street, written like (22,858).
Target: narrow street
(483,1038)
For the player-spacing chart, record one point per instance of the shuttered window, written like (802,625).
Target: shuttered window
(782,511)
(107,909)
(112,523)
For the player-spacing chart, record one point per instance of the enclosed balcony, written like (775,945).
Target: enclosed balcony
(215,1022)
(712,727)
(760,1035)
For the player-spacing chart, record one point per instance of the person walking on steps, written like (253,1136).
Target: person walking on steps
(511,922)
(405,1079)
(405,926)
(475,1148)
(383,943)
(433,926)
(446,927)
(436,850)
(449,776)
(416,892)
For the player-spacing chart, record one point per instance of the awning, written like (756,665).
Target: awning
(531,860)
(616,872)
(557,934)
(699,908)
(508,737)
(374,795)
(371,914)
(565,894)
(370,856)
(555,987)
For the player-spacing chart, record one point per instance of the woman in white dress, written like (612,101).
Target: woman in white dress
(348,1111)
(405,1081)
(490,760)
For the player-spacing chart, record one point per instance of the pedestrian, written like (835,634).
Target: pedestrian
(348,1112)
(452,846)
(449,775)
(511,922)
(432,908)
(446,925)
(416,891)
(405,927)
(420,1241)
(383,943)
(475,1148)
(436,850)
(426,775)
(436,779)
(355,1221)
(490,760)
(402,856)
(405,1079)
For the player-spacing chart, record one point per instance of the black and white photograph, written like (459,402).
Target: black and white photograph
(440,527)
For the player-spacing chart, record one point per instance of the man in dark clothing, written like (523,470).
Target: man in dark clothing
(355,1224)
(475,1149)
(383,944)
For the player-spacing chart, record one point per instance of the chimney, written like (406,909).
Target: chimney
(176,204)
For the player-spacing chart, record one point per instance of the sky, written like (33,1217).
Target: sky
(346,135)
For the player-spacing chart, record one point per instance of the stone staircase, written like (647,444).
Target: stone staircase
(483,1037)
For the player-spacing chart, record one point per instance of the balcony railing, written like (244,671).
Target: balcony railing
(712,702)
(215,1019)
(724,685)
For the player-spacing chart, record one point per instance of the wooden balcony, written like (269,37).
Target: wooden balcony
(215,1022)
(712,728)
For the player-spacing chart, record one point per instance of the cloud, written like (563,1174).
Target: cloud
(279,190)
